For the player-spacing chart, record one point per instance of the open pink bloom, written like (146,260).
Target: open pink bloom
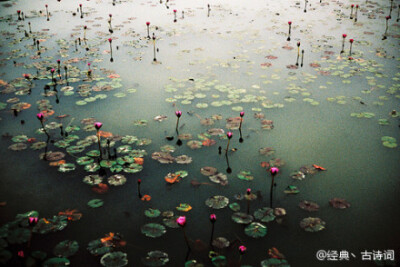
(213,218)
(40,116)
(33,220)
(21,254)
(181,221)
(344,35)
(242,249)
(241,113)
(274,170)
(178,113)
(98,125)
(229,135)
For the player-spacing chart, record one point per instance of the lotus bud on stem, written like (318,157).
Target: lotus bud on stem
(343,40)
(181,221)
(28,78)
(302,57)
(387,26)
(148,30)
(52,74)
(178,114)
(19,14)
(110,41)
(47,12)
(175,15)
(154,47)
(290,30)
(398,14)
(391,8)
(305,6)
(80,9)
(355,15)
(298,53)
(351,46)
(38,47)
(40,117)
(98,125)
(241,114)
(213,219)
(66,73)
(109,24)
(273,171)
(242,251)
(351,11)
(248,192)
(30,29)
(209,9)
(183,14)
(229,135)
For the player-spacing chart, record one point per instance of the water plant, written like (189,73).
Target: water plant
(343,40)
(351,11)
(213,219)
(181,221)
(273,171)
(290,30)
(148,29)
(98,125)
(386,29)
(229,135)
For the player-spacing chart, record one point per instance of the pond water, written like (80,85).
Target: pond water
(334,110)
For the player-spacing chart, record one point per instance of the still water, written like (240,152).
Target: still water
(332,111)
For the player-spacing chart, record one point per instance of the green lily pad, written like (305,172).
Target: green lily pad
(274,262)
(114,259)
(133,168)
(153,230)
(67,167)
(105,163)
(66,248)
(93,179)
(152,213)
(234,206)
(291,189)
(93,153)
(245,175)
(242,218)
(92,167)
(85,160)
(116,179)
(56,262)
(311,224)
(38,145)
(389,141)
(19,236)
(255,230)
(217,202)
(96,247)
(264,214)
(95,203)
(155,258)
(20,138)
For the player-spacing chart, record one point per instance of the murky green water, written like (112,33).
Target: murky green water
(226,56)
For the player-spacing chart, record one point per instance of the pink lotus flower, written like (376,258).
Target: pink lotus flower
(110,15)
(178,113)
(80,5)
(175,10)
(241,113)
(289,22)
(388,17)
(148,23)
(26,76)
(274,170)
(18,11)
(181,221)
(213,218)
(352,5)
(40,116)
(85,27)
(21,254)
(248,191)
(344,35)
(110,40)
(33,221)
(229,135)
(58,61)
(139,181)
(46,5)
(98,125)
(242,249)
(52,70)
(351,40)
(298,44)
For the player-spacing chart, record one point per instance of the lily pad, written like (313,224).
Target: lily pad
(275,262)
(114,259)
(255,230)
(242,218)
(308,205)
(245,175)
(264,214)
(208,171)
(152,213)
(311,224)
(116,179)
(339,203)
(217,202)
(67,167)
(220,242)
(95,203)
(234,206)
(153,230)
(155,258)
(66,248)
(56,262)
(219,178)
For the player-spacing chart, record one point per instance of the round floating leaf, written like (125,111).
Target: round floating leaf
(67,167)
(274,262)
(117,179)
(171,222)
(193,263)
(152,213)
(114,259)
(242,218)
(66,248)
(297,175)
(245,175)
(20,138)
(52,262)
(339,203)
(18,146)
(38,145)
(95,203)
(155,258)
(264,214)
(44,226)
(219,178)
(234,206)
(308,205)
(311,224)
(217,202)
(208,171)
(96,247)
(153,230)
(92,167)
(195,144)
(183,159)
(125,160)
(219,261)
(291,189)
(133,168)
(105,163)
(256,230)
(84,160)
(93,153)
(92,179)
(220,242)
(184,207)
